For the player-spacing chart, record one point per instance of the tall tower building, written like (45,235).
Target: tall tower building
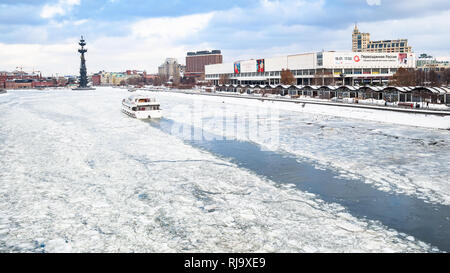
(170,69)
(360,40)
(361,43)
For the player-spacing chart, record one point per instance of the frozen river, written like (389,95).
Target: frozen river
(77,175)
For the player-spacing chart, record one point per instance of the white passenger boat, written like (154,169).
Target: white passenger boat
(141,107)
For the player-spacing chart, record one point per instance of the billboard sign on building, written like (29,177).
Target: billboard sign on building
(371,59)
(260,65)
(403,58)
(237,67)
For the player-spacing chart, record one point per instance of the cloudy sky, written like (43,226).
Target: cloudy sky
(140,34)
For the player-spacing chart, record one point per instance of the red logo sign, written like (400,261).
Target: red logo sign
(357,59)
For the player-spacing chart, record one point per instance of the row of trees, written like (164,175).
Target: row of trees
(410,77)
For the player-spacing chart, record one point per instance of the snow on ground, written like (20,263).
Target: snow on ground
(76,175)
(394,158)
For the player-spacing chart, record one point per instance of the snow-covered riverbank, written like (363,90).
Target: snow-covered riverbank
(419,118)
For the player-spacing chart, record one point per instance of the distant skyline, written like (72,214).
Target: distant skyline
(131,34)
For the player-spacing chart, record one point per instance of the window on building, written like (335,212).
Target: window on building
(319,59)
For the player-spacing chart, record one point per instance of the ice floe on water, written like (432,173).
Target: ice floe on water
(76,175)
(393,158)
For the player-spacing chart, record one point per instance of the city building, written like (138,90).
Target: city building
(321,68)
(96,79)
(19,84)
(427,63)
(116,78)
(361,43)
(196,62)
(16,75)
(21,79)
(182,70)
(170,70)
(150,78)
(105,78)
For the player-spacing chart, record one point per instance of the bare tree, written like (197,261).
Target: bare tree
(136,81)
(434,78)
(446,76)
(403,77)
(224,79)
(287,77)
(319,78)
(157,81)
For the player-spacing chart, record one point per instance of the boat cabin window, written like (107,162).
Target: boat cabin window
(148,108)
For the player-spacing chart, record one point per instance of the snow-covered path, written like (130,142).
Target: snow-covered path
(76,175)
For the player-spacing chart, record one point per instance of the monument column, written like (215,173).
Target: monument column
(83,71)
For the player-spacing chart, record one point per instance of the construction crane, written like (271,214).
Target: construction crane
(21,70)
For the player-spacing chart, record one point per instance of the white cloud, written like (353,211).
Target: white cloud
(285,9)
(49,59)
(59,8)
(150,41)
(80,22)
(146,46)
(373,2)
(171,28)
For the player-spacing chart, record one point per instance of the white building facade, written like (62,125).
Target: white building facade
(321,68)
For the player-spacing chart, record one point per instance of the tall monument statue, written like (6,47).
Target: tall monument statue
(83,70)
